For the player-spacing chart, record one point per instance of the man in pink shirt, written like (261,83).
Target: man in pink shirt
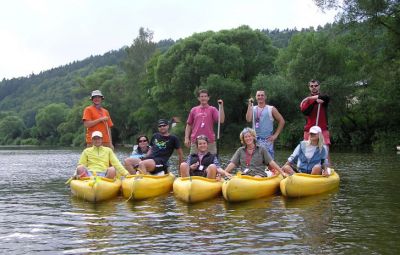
(201,122)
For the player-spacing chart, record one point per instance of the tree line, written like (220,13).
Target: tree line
(355,59)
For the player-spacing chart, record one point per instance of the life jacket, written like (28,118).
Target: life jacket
(318,157)
(207,160)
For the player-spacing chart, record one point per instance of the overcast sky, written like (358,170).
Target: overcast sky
(37,35)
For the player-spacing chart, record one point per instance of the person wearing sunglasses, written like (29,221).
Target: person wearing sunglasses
(202,163)
(253,159)
(162,145)
(97,118)
(315,108)
(310,156)
(263,116)
(138,153)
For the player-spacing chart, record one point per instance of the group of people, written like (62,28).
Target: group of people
(255,157)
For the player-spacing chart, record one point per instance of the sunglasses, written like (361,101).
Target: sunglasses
(142,141)
(162,125)
(202,137)
(314,86)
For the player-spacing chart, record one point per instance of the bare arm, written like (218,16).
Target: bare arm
(249,113)
(230,167)
(281,123)
(188,131)
(91,123)
(275,166)
(180,156)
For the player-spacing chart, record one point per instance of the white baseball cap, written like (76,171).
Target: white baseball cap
(315,130)
(97,133)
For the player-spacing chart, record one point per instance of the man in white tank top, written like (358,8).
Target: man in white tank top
(263,115)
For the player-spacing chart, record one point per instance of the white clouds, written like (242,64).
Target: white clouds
(42,34)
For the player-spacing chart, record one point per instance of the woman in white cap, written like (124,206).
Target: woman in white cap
(96,117)
(310,156)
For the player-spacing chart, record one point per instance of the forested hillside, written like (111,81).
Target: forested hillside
(356,60)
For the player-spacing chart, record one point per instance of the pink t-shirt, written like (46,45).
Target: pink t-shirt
(202,119)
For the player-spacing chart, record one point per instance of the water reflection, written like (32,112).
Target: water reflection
(38,210)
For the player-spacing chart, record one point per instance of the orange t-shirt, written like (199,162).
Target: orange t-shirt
(92,113)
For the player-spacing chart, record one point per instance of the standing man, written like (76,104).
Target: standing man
(264,116)
(315,108)
(97,118)
(162,146)
(201,122)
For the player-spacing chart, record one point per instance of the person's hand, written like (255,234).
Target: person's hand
(320,101)
(226,174)
(272,138)
(251,100)
(187,142)
(325,173)
(104,118)
(221,102)
(194,166)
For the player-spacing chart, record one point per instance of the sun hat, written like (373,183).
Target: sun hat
(96,93)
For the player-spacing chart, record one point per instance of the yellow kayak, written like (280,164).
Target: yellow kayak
(244,187)
(300,184)
(196,188)
(145,186)
(95,188)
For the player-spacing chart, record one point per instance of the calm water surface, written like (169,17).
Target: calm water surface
(39,216)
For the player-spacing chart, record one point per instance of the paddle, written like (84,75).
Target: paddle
(252,112)
(319,107)
(219,126)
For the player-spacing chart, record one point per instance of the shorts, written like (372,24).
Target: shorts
(266,145)
(161,165)
(198,173)
(89,173)
(325,134)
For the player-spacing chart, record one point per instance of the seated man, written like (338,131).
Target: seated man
(99,159)
(162,146)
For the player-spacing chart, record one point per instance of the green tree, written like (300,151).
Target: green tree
(230,58)
(11,127)
(47,121)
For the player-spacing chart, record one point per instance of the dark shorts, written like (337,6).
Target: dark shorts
(301,170)
(161,165)
(198,173)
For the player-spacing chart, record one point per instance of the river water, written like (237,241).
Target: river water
(38,215)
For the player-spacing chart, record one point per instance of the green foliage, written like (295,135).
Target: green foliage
(48,119)
(356,62)
(11,127)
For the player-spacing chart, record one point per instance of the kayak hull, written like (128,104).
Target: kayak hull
(95,188)
(301,185)
(196,188)
(146,186)
(242,187)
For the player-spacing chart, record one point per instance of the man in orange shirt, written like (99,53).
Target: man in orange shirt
(97,118)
